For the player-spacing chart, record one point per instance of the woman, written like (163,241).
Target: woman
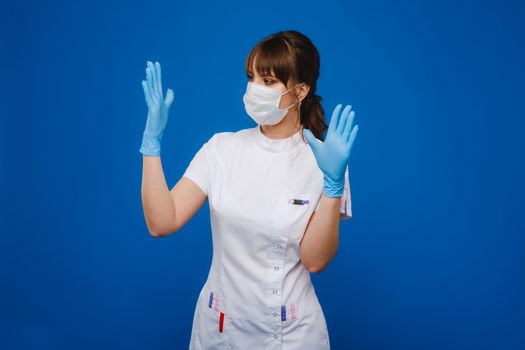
(275,198)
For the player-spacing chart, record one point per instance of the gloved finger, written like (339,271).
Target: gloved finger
(344,119)
(146,93)
(159,80)
(154,86)
(312,141)
(334,120)
(149,80)
(169,98)
(353,135)
(348,126)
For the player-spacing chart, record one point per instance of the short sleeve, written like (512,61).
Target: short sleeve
(198,169)
(345,210)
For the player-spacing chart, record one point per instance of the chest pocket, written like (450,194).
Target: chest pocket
(292,213)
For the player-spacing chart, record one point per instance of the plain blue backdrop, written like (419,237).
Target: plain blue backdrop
(434,255)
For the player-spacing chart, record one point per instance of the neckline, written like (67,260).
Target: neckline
(278,145)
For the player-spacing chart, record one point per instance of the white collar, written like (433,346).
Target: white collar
(278,145)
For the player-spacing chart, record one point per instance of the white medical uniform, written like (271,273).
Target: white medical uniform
(261,193)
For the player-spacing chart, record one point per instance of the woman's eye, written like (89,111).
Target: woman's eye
(266,81)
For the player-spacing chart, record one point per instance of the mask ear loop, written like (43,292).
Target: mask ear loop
(301,127)
(298,105)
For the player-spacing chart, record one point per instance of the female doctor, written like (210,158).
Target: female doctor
(276,191)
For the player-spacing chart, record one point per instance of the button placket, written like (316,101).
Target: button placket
(275,261)
(275,264)
(276,331)
(276,278)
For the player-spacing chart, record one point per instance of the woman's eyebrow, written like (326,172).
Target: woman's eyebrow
(262,75)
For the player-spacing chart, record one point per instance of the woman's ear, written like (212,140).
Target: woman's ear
(302,91)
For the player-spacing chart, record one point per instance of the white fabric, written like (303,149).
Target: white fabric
(262,103)
(256,275)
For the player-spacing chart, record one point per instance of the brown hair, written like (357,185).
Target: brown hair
(291,56)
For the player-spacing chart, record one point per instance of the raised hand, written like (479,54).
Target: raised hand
(332,155)
(158,110)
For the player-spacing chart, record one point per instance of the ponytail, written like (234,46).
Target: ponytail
(312,115)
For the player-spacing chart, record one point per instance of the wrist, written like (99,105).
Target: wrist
(150,145)
(333,187)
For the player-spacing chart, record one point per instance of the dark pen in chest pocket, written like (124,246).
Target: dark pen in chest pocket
(298,201)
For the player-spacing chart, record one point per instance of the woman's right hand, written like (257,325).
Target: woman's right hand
(158,109)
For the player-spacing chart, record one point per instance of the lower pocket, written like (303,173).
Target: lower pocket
(247,334)
(308,331)
(209,332)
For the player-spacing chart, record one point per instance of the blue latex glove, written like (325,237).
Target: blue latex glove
(332,155)
(158,109)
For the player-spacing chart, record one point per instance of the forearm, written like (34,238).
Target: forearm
(321,239)
(158,206)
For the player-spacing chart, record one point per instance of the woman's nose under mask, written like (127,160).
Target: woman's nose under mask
(262,103)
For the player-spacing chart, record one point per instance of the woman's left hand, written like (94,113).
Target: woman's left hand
(332,155)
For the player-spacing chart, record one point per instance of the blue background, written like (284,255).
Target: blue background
(434,255)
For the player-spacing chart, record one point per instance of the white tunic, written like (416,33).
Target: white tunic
(261,193)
